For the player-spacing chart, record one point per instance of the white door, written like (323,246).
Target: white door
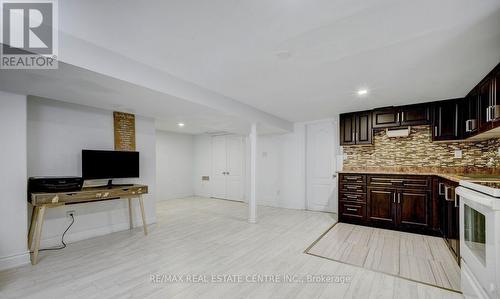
(320,165)
(227,167)
(218,180)
(234,169)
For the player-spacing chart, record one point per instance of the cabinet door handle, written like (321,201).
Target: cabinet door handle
(441,189)
(488,111)
(402,116)
(353,137)
(397,117)
(399,198)
(456,200)
(435,130)
(467,125)
(394,198)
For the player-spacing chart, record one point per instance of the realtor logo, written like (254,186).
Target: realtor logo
(29,34)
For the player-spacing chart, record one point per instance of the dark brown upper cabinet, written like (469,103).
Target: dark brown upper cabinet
(364,133)
(450,120)
(386,118)
(414,115)
(485,99)
(411,115)
(347,129)
(471,114)
(489,101)
(495,101)
(447,120)
(356,128)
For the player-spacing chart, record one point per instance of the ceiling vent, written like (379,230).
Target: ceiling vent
(217,133)
(399,132)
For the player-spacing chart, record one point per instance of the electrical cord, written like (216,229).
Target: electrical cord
(62,238)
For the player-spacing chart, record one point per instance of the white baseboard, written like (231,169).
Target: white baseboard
(13,261)
(176,196)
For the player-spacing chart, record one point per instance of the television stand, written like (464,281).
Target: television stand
(42,201)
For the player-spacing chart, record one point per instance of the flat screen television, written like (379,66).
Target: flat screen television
(109,165)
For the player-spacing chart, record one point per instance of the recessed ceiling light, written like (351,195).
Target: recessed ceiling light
(362,92)
(283,54)
(180,125)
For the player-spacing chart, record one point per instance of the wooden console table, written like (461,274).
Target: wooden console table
(42,201)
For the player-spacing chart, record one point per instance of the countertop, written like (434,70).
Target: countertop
(446,174)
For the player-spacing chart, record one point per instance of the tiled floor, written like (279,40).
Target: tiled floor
(205,236)
(417,257)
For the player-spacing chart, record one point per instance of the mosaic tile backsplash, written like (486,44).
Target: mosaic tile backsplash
(417,150)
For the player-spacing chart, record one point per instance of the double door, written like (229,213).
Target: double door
(399,208)
(227,167)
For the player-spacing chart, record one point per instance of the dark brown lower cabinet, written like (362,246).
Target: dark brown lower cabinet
(413,208)
(394,202)
(404,209)
(381,206)
(450,216)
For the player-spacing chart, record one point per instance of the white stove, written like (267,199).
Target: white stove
(480,238)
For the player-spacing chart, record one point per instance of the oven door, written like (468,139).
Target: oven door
(477,238)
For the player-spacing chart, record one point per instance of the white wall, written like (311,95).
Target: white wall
(202,164)
(57,133)
(13,207)
(174,165)
(281,169)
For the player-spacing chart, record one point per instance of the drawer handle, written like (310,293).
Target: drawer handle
(351,187)
(352,177)
(351,209)
(396,181)
(351,196)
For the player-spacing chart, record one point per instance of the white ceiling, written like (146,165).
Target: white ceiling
(76,85)
(302,59)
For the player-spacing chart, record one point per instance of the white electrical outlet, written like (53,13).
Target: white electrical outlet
(70,213)
(458,154)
